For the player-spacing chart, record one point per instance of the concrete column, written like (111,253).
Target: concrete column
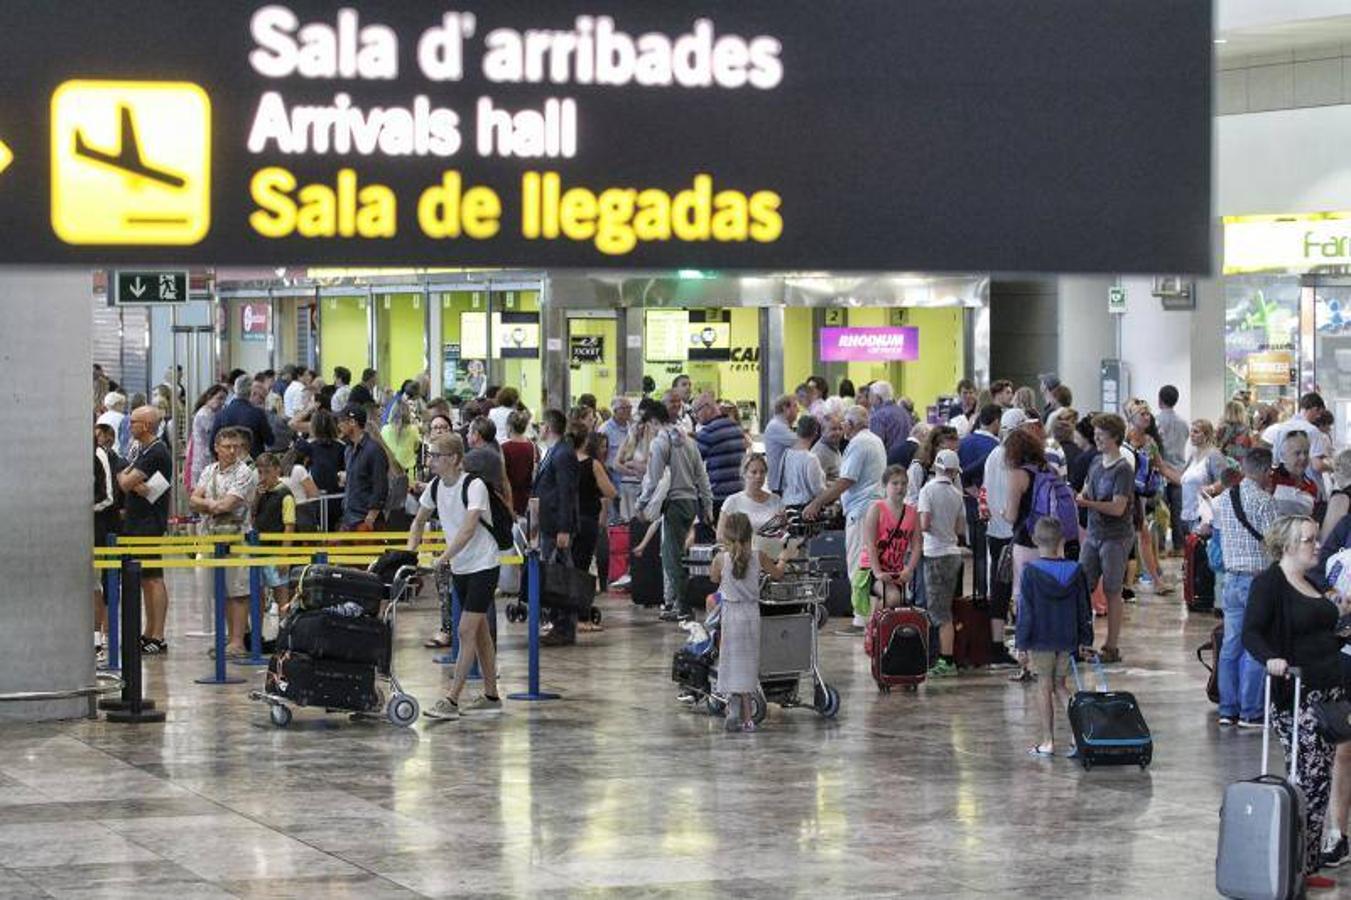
(46,531)
(1085,336)
(631,326)
(771,361)
(554,334)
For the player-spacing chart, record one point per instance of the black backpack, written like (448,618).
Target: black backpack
(504,521)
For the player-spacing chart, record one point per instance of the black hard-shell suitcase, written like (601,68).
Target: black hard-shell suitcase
(321,634)
(828,549)
(645,587)
(321,586)
(1262,826)
(329,683)
(1108,727)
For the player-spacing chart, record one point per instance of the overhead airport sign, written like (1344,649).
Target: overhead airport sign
(150,288)
(920,135)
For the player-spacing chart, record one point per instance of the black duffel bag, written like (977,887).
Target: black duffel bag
(564,586)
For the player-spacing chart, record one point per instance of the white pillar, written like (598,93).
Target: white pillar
(1086,335)
(46,489)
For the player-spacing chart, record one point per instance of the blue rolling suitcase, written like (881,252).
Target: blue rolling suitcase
(1262,821)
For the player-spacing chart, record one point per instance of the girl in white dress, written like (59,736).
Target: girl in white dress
(736,570)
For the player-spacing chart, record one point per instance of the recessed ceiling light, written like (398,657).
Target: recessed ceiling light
(1221,40)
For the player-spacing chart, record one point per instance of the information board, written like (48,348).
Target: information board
(762,134)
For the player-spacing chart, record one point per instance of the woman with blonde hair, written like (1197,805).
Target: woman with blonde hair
(1203,475)
(1233,436)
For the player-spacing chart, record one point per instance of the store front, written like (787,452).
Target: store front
(1287,294)
(558,337)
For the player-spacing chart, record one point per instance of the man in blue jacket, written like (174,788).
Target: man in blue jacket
(722,444)
(554,507)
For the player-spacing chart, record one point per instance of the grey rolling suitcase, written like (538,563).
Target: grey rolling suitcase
(1261,853)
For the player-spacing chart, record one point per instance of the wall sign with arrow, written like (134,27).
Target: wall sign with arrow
(149,288)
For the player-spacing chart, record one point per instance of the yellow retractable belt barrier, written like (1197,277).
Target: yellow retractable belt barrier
(180,540)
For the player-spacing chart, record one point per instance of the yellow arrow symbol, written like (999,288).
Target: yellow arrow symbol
(6,156)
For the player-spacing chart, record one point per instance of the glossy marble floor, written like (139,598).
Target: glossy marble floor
(618,790)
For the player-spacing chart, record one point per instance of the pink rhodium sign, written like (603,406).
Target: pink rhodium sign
(870,344)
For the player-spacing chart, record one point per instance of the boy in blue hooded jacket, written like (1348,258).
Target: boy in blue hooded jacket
(1055,618)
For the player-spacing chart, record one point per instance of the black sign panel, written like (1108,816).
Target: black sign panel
(586,348)
(1007,135)
(150,287)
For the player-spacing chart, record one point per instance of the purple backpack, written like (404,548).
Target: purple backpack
(1052,496)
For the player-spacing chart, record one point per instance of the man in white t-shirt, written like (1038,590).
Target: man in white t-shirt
(293,401)
(462,504)
(942,519)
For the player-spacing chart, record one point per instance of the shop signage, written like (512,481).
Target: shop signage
(870,344)
(1272,367)
(510,133)
(586,348)
(710,341)
(255,321)
(1294,243)
(145,288)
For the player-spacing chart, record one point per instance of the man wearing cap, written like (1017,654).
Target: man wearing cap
(240,412)
(942,520)
(367,486)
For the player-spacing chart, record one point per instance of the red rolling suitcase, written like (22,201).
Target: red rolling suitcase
(897,643)
(619,552)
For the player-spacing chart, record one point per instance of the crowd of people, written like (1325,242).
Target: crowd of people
(1052,511)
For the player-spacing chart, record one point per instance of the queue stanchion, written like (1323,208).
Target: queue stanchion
(449,659)
(532,617)
(219,676)
(131,707)
(255,657)
(112,594)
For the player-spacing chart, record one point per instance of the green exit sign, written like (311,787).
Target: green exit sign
(150,287)
(1116,300)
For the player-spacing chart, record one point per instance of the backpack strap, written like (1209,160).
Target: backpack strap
(435,486)
(1236,500)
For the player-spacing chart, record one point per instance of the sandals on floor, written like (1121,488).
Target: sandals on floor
(1042,751)
(436,643)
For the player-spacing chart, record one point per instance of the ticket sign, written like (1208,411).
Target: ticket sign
(514,133)
(870,344)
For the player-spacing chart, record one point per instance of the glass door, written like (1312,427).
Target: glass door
(593,355)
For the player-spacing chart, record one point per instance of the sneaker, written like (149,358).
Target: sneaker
(1164,587)
(1337,855)
(668,614)
(1226,721)
(687,696)
(942,669)
(482,706)
(622,582)
(1250,723)
(1002,659)
(153,646)
(445,710)
(749,727)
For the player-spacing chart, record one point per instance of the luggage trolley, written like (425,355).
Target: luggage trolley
(792,611)
(400,709)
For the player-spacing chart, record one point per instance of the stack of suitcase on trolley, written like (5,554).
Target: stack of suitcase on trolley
(335,642)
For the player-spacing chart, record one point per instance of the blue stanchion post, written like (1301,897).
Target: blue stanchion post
(255,657)
(532,617)
(449,659)
(113,594)
(220,676)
